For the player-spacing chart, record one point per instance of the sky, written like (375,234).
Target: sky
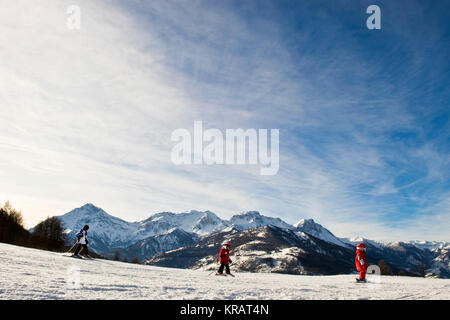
(363,115)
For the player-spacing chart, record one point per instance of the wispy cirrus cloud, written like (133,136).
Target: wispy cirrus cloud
(87,115)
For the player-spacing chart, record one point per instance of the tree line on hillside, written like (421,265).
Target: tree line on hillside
(47,235)
(117,258)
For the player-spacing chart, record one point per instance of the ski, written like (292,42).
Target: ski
(225,274)
(82,257)
(75,257)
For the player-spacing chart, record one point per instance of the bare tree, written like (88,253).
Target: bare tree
(384,268)
(11,226)
(117,256)
(49,234)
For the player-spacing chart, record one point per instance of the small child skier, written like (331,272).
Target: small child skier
(82,242)
(361,262)
(224,258)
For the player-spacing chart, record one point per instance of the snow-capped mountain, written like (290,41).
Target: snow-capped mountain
(310,227)
(108,233)
(440,266)
(429,258)
(201,223)
(263,249)
(253,219)
(174,233)
(352,242)
(430,245)
(105,230)
(282,250)
(148,247)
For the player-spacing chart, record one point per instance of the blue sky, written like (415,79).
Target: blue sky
(363,114)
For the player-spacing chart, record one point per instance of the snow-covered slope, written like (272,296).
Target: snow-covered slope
(35,274)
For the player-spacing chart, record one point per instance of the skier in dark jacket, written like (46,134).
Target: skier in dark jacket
(224,258)
(82,242)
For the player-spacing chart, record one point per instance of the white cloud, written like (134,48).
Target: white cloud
(87,116)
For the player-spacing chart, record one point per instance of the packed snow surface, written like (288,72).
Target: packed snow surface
(34,274)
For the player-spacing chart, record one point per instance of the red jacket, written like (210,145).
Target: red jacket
(224,255)
(361,260)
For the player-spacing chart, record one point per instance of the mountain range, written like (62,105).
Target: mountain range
(259,243)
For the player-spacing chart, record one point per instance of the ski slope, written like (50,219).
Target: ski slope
(34,274)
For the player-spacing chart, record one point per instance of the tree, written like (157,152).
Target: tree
(11,226)
(117,256)
(49,234)
(125,259)
(15,215)
(135,260)
(384,268)
(402,273)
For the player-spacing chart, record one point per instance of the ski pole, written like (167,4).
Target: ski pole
(72,247)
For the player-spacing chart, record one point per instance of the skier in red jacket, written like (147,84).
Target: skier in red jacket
(224,258)
(361,262)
